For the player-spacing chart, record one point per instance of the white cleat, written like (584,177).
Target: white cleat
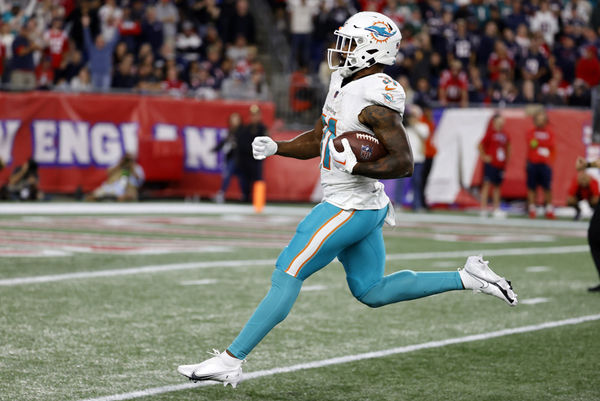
(221,367)
(477,276)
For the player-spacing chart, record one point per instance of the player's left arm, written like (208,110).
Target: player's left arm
(387,126)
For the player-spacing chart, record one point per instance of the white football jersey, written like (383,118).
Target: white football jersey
(340,115)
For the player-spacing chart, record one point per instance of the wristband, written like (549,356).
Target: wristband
(588,165)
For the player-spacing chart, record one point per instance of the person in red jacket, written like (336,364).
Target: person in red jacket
(494,150)
(540,153)
(454,86)
(583,187)
(588,67)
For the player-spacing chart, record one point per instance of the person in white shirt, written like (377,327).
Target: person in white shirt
(546,22)
(301,28)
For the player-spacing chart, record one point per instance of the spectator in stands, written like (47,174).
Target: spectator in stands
(240,23)
(523,41)
(99,55)
(172,84)
(188,42)
(423,96)
(238,50)
(588,67)
(147,82)
(23,183)
(583,187)
(6,40)
(576,12)
(202,83)
(23,66)
(494,150)
(503,91)
(545,21)
(417,133)
(130,29)
(340,11)
(71,66)
(82,82)
(123,182)
(454,86)
(477,89)
(249,169)
(533,65)
(206,13)
(486,43)
(550,94)
(124,76)
(110,16)
(462,45)
(500,60)
(516,16)
(566,55)
(56,41)
(527,93)
(302,94)
(540,154)
(152,30)
(228,147)
(44,74)
(581,96)
(301,28)
(168,15)
(595,18)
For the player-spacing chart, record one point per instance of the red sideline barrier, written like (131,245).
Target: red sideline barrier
(76,137)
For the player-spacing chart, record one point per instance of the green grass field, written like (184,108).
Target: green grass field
(95,306)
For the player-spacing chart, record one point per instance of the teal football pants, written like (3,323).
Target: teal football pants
(356,238)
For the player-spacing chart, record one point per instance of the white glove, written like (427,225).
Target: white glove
(263,146)
(344,160)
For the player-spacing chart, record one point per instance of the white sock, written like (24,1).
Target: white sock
(229,360)
(468,281)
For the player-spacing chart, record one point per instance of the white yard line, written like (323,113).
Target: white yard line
(174,208)
(133,270)
(533,301)
(357,357)
(162,208)
(263,262)
(537,269)
(199,282)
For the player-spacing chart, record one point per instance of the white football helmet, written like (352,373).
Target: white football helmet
(365,39)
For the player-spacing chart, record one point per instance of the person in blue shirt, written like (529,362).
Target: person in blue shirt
(23,66)
(99,56)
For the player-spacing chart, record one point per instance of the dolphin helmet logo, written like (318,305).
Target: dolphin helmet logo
(380,31)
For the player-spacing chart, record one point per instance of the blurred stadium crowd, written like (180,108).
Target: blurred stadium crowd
(471,51)
(453,53)
(197,48)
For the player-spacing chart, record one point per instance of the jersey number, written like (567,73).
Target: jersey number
(328,134)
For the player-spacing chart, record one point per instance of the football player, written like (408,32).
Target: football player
(348,223)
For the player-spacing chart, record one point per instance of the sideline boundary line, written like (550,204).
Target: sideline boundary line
(357,357)
(261,262)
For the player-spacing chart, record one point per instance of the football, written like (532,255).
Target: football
(365,146)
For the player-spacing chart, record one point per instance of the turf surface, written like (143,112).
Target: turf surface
(92,337)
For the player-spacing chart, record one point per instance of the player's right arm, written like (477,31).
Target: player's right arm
(387,126)
(305,146)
